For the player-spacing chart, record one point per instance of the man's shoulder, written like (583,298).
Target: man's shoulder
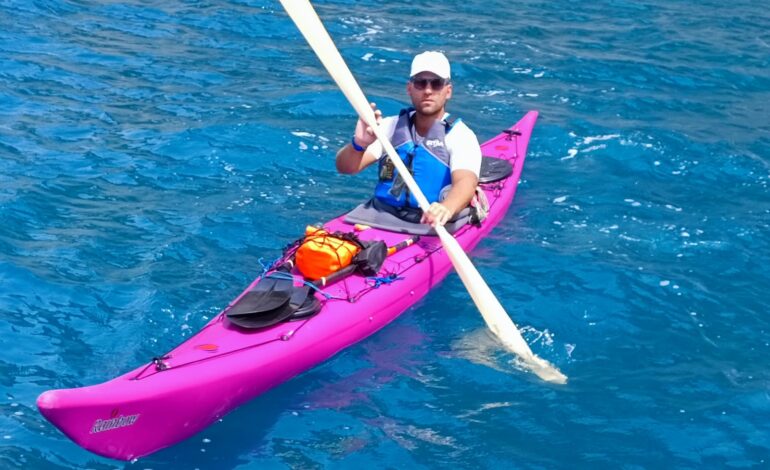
(388,123)
(389,119)
(459,127)
(461,140)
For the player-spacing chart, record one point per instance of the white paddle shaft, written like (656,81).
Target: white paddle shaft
(498,321)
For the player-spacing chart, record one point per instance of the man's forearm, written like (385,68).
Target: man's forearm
(461,193)
(349,160)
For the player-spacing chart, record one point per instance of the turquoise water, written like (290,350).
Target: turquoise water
(151,153)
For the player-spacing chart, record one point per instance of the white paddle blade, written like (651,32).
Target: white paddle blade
(493,312)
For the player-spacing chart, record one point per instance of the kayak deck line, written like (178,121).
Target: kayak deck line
(168,361)
(170,398)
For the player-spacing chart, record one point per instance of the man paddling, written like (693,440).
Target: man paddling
(442,153)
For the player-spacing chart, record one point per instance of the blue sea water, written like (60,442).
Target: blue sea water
(152,152)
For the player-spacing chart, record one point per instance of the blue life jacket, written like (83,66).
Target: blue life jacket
(428,163)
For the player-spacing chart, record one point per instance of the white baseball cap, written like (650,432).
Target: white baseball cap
(431,61)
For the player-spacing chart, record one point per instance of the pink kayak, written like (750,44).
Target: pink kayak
(171,398)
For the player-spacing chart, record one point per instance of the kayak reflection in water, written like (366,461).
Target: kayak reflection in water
(440,151)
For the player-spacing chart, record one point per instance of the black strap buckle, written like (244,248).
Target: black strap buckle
(160,363)
(511,133)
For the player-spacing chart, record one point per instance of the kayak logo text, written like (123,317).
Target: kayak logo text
(115,422)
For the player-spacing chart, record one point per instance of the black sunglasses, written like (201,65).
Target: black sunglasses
(436,84)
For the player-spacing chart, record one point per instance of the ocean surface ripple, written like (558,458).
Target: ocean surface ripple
(151,153)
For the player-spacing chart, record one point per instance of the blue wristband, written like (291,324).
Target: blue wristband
(357,147)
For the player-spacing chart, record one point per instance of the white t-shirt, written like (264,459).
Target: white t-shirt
(461,143)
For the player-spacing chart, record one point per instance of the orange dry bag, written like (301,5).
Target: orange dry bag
(321,254)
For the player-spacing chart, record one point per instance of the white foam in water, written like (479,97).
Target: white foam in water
(302,134)
(664,283)
(588,140)
(594,147)
(560,199)
(632,202)
(485,407)
(570,154)
(492,406)
(545,336)
(367,56)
